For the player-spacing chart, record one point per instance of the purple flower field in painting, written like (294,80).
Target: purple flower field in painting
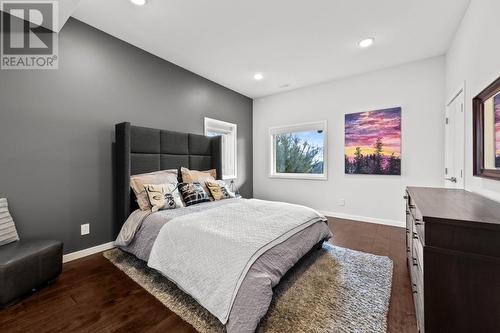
(373,142)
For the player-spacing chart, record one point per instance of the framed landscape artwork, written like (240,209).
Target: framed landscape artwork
(373,142)
(496,102)
(486,132)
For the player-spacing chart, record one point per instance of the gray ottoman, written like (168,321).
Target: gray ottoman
(26,265)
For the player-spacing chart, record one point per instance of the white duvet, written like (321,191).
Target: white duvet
(208,254)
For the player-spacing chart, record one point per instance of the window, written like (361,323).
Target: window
(299,151)
(227,130)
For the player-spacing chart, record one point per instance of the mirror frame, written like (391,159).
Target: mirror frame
(478,131)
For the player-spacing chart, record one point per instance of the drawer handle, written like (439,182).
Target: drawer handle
(418,222)
(415,236)
(405,197)
(414,289)
(415,263)
(411,206)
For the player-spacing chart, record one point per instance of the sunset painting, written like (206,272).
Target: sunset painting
(496,103)
(373,142)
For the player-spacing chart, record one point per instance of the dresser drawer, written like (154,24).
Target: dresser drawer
(418,255)
(419,312)
(418,295)
(418,228)
(417,276)
(415,213)
(409,229)
(411,204)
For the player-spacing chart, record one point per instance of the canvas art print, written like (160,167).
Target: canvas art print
(496,103)
(373,142)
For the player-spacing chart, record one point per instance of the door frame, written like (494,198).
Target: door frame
(457,93)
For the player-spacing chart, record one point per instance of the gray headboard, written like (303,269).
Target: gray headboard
(140,150)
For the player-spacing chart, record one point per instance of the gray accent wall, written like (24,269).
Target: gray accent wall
(57,130)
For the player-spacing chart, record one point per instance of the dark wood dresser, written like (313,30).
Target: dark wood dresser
(453,249)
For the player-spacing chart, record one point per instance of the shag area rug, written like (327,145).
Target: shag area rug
(330,290)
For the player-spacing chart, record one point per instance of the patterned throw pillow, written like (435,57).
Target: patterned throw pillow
(163,196)
(8,232)
(215,190)
(137,183)
(227,193)
(193,193)
(219,189)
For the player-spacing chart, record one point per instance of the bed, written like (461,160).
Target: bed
(229,254)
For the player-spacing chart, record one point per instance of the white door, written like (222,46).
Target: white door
(455,142)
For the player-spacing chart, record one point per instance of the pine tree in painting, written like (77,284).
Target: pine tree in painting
(358,161)
(378,146)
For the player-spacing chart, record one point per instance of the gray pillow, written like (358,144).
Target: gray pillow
(8,232)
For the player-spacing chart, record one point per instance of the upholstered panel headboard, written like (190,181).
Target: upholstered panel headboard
(141,150)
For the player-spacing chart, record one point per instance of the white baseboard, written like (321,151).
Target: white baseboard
(87,252)
(393,223)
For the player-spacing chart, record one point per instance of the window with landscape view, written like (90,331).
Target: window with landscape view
(299,151)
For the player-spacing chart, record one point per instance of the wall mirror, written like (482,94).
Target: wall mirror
(486,116)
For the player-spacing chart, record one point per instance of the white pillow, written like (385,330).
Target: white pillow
(8,232)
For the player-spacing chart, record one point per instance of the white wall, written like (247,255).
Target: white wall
(474,57)
(417,87)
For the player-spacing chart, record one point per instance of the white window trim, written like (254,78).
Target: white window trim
(211,124)
(298,128)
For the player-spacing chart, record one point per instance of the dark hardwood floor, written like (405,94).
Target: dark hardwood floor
(92,295)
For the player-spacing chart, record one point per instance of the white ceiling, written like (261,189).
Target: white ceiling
(291,42)
(66,8)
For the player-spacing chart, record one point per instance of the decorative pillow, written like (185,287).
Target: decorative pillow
(137,183)
(219,190)
(163,196)
(193,193)
(215,190)
(193,176)
(225,190)
(8,232)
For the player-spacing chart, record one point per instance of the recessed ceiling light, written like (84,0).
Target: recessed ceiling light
(138,2)
(258,76)
(366,42)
